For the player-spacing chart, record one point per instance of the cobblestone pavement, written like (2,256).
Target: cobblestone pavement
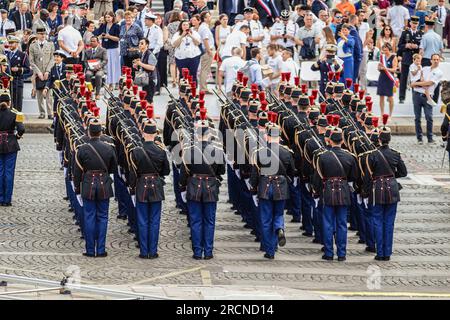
(38,238)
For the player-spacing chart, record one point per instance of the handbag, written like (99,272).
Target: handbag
(40,84)
(141,78)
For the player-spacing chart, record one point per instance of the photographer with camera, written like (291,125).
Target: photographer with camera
(145,66)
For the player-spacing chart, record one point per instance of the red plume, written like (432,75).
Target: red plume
(82,80)
(185,72)
(329,119)
(193,91)
(262,96)
(330,76)
(348,82)
(254,94)
(336,119)
(124,69)
(337,75)
(201,104)
(203,114)
(283,77)
(87,96)
(361,94)
(128,72)
(5,82)
(144,104)
(240,75)
(128,83)
(244,81)
(149,112)
(288,76)
(385,118)
(311,100)
(375,122)
(96,112)
(297,81)
(254,88)
(323,107)
(264,104)
(314,93)
(201,95)
(304,89)
(135,89)
(369,106)
(189,78)
(142,95)
(92,105)
(355,87)
(82,90)
(368,98)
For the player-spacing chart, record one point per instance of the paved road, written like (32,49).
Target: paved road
(38,238)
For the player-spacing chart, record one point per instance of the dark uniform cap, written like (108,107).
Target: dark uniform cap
(314,114)
(429,22)
(95,126)
(347,97)
(253,108)
(360,107)
(41,30)
(150,127)
(245,94)
(296,92)
(368,119)
(322,121)
(248,10)
(288,89)
(329,88)
(336,134)
(338,88)
(262,119)
(415,19)
(285,14)
(303,100)
(4,95)
(354,101)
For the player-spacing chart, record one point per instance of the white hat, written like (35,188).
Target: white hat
(150,15)
(139,1)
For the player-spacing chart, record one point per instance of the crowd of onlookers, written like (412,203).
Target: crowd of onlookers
(263,38)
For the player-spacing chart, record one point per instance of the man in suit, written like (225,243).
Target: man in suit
(268,11)
(19,65)
(41,61)
(231,8)
(98,70)
(441,13)
(41,22)
(22,18)
(318,5)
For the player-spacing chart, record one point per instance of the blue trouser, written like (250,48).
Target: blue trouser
(307,204)
(272,219)
(294,204)
(95,225)
(355,214)
(148,216)
(176,189)
(335,216)
(191,64)
(121,193)
(420,101)
(246,204)
(348,68)
(231,180)
(383,224)
(131,212)
(202,222)
(356,65)
(79,213)
(318,221)
(367,220)
(7,169)
(70,193)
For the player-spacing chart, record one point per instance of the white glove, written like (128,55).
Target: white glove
(366,202)
(295,183)
(80,200)
(73,185)
(65,172)
(316,202)
(307,186)
(255,200)
(351,185)
(229,162)
(184,196)
(359,199)
(123,177)
(133,199)
(247,182)
(238,173)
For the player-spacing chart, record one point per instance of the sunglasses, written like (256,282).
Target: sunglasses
(338,17)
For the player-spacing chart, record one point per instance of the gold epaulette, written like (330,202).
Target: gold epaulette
(395,150)
(20,117)
(350,152)
(160,145)
(287,148)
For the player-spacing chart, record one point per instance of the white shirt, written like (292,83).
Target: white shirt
(70,37)
(205,33)
(414,78)
(187,48)
(319,25)
(6,24)
(363,28)
(230,68)
(234,40)
(256,30)
(290,66)
(154,35)
(434,75)
(441,14)
(279,29)
(397,16)
(275,63)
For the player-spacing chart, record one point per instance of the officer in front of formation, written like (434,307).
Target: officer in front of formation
(273,168)
(200,175)
(95,162)
(19,65)
(11,130)
(329,63)
(149,165)
(381,190)
(408,45)
(335,172)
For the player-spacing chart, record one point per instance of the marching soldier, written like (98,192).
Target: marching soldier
(336,169)
(200,176)
(19,66)
(149,166)
(273,168)
(408,45)
(96,161)
(11,130)
(381,190)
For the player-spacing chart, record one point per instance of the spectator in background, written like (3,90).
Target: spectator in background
(336,20)
(102,7)
(446,31)
(162,56)
(228,70)
(187,51)
(146,62)
(274,61)
(22,18)
(363,25)
(398,17)
(345,7)
(358,48)
(346,45)
(231,8)
(208,47)
(309,39)
(177,7)
(130,33)
(172,28)
(109,33)
(289,65)
(54,20)
(440,12)
(120,17)
(237,39)
(421,12)
(41,21)
(70,42)
(90,28)
(5,23)
(95,70)
(317,6)
(387,36)
(431,43)
(386,81)
(256,75)
(221,33)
